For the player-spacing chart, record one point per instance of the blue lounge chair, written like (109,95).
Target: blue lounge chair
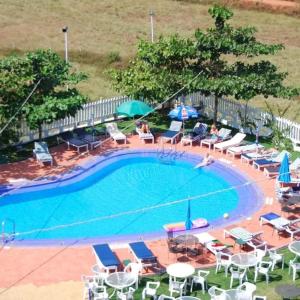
(275,161)
(143,254)
(105,257)
(68,138)
(173,132)
(42,153)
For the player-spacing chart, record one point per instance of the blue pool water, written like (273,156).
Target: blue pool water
(121,184)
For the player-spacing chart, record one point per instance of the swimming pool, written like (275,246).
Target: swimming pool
(127,194)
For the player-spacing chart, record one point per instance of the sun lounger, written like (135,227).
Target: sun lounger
(199,132)
(281,224)
(173,132)
(250,157)
(143,254)
(234,141)
(243,236)
(223,135)
(105,257)
(239,150)
(145,135)
(70,140)
(275,161)
(42,153)
(92,139)
(115,133)
(273,171)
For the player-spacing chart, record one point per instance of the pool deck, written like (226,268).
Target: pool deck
(55,272)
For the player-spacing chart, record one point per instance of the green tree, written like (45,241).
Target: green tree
(220,57)
(55,96)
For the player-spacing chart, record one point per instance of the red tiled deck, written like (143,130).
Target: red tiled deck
(44,266)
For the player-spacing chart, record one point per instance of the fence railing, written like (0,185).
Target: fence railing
(91,113)
(104,109)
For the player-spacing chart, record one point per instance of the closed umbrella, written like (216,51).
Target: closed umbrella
(188,222)
(134,108)
(284,170)
(183,112)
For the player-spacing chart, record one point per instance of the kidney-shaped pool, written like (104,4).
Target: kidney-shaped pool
(127,193)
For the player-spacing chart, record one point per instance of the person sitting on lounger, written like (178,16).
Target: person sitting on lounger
(207,160)
(145,128)
(214,131)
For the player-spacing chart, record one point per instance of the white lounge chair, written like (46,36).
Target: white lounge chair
(115,133)
(272,171)
(70,140)
(42,153)
(223,135)
(281,224)
(239,150)
(145,135)
(198,133)
(243,236)
(252,156)
(173,132)
(234,141)
(274,161)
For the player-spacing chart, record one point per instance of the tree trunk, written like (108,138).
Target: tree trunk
(215,117)
(40,132)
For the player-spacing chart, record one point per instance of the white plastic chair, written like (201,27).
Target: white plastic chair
(135,269)
(89,282)
(260,254)
(129,295)
(276,258)
(216,293)
(176,286)
(237,274)
(248,289)
(101,293)
(295,267)
(263,268)
(100,273)
(200,278)
(150,290)
(223,260)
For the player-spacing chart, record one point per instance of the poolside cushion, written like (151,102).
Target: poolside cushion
(270,216)
(141,251)
(105,255)
(169,133)
(264,161)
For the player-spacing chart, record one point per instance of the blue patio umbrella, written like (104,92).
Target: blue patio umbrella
(284,170)
(188,221)
(183,112)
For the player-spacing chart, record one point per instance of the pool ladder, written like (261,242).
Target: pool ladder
(8,236)
(168,156)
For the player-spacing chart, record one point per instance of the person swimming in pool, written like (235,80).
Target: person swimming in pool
(207,160)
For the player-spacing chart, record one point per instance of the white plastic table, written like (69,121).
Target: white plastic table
(180,270)
(244,260)
(120,280)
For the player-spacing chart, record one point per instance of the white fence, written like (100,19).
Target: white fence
(91,113)
(104,109)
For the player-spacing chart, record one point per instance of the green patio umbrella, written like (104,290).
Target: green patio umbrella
(134,108)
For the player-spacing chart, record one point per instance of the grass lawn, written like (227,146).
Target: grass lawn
(278,276)
(104,34)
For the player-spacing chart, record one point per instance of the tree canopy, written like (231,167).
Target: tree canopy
(221,57)
(54,98)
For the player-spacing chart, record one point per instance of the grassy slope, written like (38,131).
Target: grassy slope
(98,28)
